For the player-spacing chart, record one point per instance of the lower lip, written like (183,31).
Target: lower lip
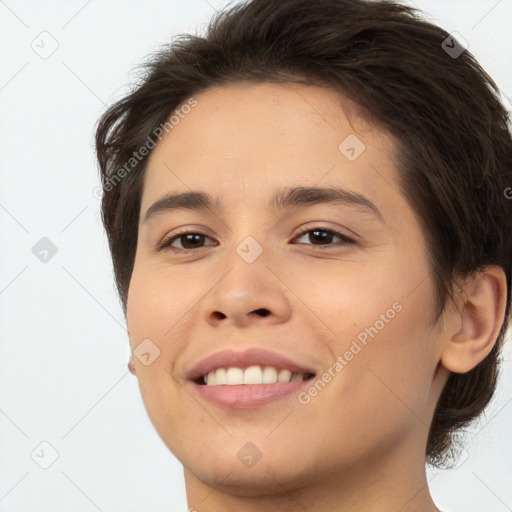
(247,396)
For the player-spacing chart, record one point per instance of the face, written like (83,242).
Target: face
(332,294)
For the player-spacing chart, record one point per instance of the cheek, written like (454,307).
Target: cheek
(378,319)
(348,294)
(157,301)
(390,377)
(153,312)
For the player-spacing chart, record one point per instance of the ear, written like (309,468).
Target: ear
(131,365)
(474,325)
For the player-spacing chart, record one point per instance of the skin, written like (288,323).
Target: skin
(359,445)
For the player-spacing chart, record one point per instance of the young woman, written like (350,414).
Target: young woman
(308,215)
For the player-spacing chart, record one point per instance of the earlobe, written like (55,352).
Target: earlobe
(480,318)
(131,365)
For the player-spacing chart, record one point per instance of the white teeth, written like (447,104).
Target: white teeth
(284,376)
(269,375)
(252,375)
(220,376)
(234,376)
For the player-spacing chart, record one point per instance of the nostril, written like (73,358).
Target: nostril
(219,315)
(262,312)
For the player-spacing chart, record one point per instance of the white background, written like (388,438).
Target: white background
(64,348)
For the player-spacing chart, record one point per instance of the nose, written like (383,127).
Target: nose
(249,293)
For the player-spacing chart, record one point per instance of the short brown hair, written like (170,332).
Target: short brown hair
(452,131)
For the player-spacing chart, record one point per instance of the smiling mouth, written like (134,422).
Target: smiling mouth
(252,375)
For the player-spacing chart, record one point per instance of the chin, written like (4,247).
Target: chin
(235,479)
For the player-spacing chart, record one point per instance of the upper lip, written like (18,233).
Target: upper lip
(228,358)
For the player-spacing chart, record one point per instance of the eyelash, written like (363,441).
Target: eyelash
(166,242)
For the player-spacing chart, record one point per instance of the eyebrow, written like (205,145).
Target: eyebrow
(282,198)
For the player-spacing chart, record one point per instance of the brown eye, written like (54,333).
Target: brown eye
(188,239)
(191,240)
(325,236)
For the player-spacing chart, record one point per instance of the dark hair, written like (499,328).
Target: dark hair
(454,146)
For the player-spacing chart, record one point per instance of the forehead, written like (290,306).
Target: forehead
(247,139)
